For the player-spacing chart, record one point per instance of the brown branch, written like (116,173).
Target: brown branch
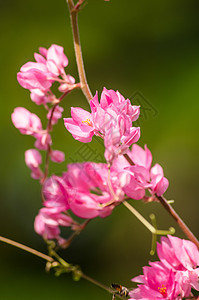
(172,212)
(178,220)
(73,9)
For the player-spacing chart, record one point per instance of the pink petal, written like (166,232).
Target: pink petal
(57,156)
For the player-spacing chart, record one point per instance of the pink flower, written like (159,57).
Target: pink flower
(38,96)
(140,176)
(137,181)
(155,283)
(55,192)
(35,75)
(33,159)
(111,119)
(115,101)
(47,69)
(174,276)
(57,156)
(48,220)
(158,181)
(80,125)
(27,122)
(178,254)
(89,191)
(43,139)
(55,55)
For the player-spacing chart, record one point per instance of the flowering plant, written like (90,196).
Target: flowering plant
(88,190)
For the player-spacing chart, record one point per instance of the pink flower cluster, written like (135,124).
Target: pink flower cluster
(38,77)
(172,277)
(140,176)
(84,189)
(87,189)
(111,119)
(90,189)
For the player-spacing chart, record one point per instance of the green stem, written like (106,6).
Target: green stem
(62,262)
(78,52)
(26,248)
(152,229)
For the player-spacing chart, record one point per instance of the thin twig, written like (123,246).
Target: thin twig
(178,220)
(52,260)
(78,52)
(26,248)
(48,129)
(152,229)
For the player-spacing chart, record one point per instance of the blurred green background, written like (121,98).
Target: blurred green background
(149,51)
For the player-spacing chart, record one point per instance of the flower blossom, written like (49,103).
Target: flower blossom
(89,191)
(27,122)
(111,119)
(33,159)
(85,189)
(172,277)
(30,124)
(39,76)
(48,220)
(140,176)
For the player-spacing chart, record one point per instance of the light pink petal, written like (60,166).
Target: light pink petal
(52,68)
(156,170)
(33,80)
(33,158)
(39,58)
(80,115)
(133,137)
(84,206)
(43,51)
(56,54)
(25,121)
(77,133)
(34,66)
(141,157)
(57,156)
(94,103)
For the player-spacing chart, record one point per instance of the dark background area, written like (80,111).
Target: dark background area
(148,50)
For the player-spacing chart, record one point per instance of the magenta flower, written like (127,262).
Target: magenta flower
(89,191)
(48,220)
(115,101)
(140,176)
(111,119)
(157,282)
(55,192)
(174,276)
(178,254)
